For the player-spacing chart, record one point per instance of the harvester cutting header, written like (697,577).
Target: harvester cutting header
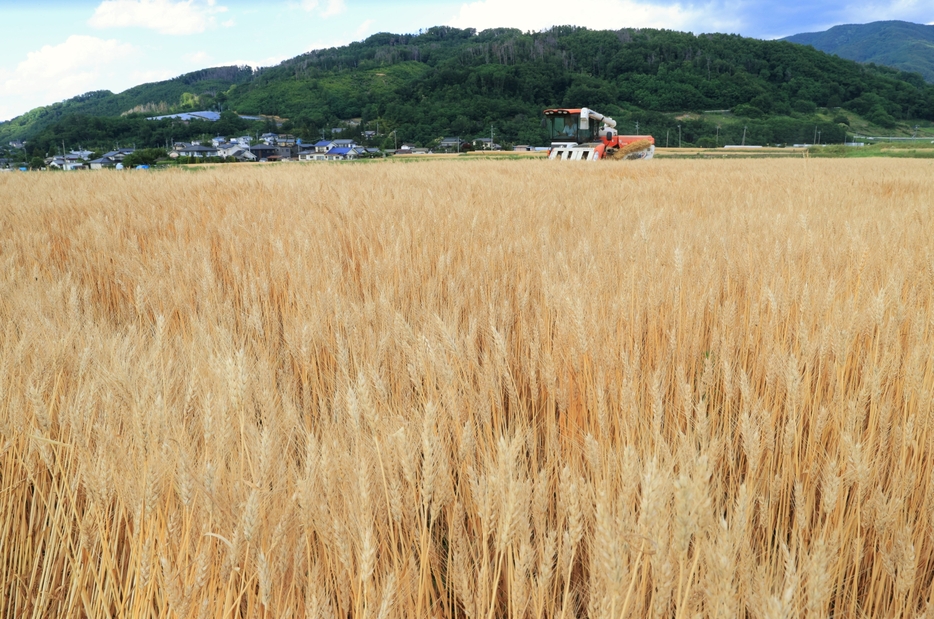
(586,135)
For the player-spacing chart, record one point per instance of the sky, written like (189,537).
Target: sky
(56,49)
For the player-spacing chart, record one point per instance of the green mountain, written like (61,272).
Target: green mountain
(192,91)
(451,82)
(902,45)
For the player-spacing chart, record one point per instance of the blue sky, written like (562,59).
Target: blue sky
(58,49)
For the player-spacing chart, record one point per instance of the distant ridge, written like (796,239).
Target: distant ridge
(898,44)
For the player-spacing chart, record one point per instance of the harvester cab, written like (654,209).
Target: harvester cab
(586,135)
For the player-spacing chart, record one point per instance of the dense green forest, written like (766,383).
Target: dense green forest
(452,82)
(899,44)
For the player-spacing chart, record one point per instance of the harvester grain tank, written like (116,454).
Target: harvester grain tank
(586,135)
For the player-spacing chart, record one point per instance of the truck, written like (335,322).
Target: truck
(585,135)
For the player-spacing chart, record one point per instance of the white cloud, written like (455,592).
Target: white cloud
(8,111)
(55,72)
(365,28)
(334,7)
(326,9)
(164,16)
(64,69)
(595,14)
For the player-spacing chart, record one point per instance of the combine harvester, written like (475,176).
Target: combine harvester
(579,135)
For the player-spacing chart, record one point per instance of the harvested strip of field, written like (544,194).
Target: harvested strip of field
(730,153)
(469,389)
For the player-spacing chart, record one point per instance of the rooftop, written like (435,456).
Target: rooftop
(203,115)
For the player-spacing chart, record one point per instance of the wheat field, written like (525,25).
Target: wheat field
(483,389)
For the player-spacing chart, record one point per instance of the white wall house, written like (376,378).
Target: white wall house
(198,151)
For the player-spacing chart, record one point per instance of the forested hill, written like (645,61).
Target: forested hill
(447,81)
(153,98)
(899,44)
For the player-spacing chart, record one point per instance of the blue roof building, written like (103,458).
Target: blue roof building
(188,116)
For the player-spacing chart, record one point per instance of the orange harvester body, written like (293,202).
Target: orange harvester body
(585,135)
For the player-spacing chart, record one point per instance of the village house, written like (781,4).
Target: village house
(310,154)
(242,154)
(120,153)
(451,145)
(335,150)
(228,149)
(113,159)
(197,151)
(68,163)
(340,154)
(264,151)
(412,149)
(103,162)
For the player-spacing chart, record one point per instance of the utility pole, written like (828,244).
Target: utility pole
(815,135)
(744,135)
(491,137)
(637,127)
(718,136)
(667,133)
(679,136)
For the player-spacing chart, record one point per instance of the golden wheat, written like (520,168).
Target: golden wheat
(469,389)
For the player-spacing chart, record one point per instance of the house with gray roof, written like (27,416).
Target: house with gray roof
(242,154)
(264,151)
(198,151)
(451,145)
(103,162)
